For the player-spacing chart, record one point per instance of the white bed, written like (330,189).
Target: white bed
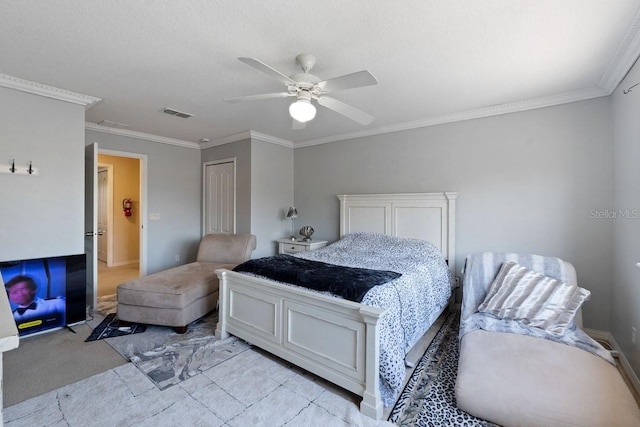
(334,338)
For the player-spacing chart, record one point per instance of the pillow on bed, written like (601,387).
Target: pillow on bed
(532,299)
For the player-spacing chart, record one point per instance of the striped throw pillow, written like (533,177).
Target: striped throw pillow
(532,299)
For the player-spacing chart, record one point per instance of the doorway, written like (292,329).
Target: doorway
(118,230)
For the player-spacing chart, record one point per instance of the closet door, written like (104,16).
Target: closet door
(219,197)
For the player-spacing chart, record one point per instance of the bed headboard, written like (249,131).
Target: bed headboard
(427,216)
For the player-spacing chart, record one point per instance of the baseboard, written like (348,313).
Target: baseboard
(122,263)
(626,366)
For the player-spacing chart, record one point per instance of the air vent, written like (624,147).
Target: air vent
(176,113)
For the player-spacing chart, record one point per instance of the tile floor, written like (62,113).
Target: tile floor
(250,389)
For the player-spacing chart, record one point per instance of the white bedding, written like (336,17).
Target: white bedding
(412,302)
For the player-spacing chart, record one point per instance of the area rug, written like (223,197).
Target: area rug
(111,326)
(428,399)
(168,358)
(173,363)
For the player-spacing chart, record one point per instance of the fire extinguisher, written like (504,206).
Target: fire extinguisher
(126,206)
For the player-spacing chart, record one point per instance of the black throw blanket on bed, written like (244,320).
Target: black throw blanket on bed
(347,282)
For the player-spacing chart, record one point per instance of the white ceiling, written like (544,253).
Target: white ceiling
(435,60)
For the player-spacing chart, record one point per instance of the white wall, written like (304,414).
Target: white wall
(625,307)
(41,216)
(527,182)
(174,191)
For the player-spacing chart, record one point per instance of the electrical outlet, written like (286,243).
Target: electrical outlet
(633,335)
(177,257)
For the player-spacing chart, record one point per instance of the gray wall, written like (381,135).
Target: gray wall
(271,194)
(527,182)
(174,185)
(241,151)
(41,216)
(264,188)
(625,307)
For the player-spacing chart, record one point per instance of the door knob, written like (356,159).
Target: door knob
(88,234)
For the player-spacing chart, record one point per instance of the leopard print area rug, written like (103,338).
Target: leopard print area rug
(428,399)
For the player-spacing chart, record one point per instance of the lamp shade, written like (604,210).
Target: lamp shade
(292,213)
(302,110)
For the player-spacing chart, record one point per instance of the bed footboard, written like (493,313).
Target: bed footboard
(333,338)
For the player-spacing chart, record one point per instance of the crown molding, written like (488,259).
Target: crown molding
(626,55)
(40,89)
(227,139)
(140,135)
(476,113)
(271,139)
(622,61)
(249,134)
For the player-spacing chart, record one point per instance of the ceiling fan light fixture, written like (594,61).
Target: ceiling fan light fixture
(302,110)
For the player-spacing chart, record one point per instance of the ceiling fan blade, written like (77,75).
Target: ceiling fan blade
(255,63)
(346,110)
(258,97)
(348,81)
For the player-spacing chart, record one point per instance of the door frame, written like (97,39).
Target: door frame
(142,197)
(205,187)
(109,208)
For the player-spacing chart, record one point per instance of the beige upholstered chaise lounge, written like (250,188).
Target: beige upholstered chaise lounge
(180,295)
(514,379)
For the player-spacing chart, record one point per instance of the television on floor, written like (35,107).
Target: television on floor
(46,293)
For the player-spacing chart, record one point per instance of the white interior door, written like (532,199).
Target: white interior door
(91,220)
(103,204)
(219,197)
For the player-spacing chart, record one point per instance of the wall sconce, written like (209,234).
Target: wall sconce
(292,214)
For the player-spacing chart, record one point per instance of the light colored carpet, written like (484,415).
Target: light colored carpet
(51,360)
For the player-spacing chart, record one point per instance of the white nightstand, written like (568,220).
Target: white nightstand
(288,246)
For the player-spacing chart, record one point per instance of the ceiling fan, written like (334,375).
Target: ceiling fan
(306,87)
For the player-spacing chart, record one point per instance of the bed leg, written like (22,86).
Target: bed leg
(221,332)
(221,328)
(371,404)
(371,407)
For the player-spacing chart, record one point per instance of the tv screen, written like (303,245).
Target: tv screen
(46,293)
